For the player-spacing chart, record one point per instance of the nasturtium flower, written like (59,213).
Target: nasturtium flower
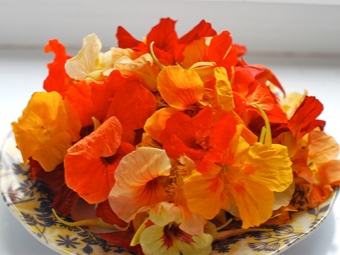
(318,166)
(161,234)
(200,138)
(216,49)
(168,48)
(303,121)
(46,129)
(93,99)
(163,35)
(169,240)
(262,74)
(90,164)
(139,181)
(248,91)
(247,182)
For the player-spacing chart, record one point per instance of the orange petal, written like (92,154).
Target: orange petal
(155,125)
(187,136)
(93,178)
(103,142)
(57,79)
(196,51)
(304,118)
(133,104)
(204,193)
(164,35)
(322,148)
(180,88)
(202,29)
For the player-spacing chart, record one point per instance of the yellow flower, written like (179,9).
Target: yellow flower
(161,234)
(47,128)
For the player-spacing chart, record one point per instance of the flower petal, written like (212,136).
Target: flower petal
(80,66)
(103,142)
(180,88)
(223,88)
(270,166)
(136,181)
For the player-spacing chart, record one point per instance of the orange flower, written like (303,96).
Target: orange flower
(184,90)
(90,164)
(47,128)
(199,137)
(57,79)
(216,49)
(301,123)
(304,119)
(248,91)
(262,74)
(317,164)
(123,97)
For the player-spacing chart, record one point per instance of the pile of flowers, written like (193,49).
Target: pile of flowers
(171,138)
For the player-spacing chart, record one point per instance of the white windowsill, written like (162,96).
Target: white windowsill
(267,27)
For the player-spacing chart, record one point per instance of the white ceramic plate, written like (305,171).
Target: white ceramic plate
(30,202)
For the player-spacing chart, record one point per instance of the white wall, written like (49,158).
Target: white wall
(280,27)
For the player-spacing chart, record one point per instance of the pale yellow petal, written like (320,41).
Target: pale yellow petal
(201,245)
(152,242)
(80,66)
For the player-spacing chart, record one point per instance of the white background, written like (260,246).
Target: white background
(298,41)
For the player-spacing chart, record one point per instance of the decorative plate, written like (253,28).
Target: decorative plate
(30,202)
